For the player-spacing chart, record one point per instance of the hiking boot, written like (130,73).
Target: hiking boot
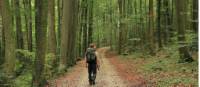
(93,82)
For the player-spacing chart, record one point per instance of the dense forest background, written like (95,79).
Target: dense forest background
(42,39)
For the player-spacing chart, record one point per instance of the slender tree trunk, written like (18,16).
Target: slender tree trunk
(195,23)
(170,21)
(9,64)
(151,28)
(1,38)
(121,4)
(159,24)
(20,42)
(167,22)
(85,28)
(195,16)
(90,28)
(28,20)
(60,13)
(51,32)
(41,29)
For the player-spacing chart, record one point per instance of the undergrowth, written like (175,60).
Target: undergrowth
(163,69)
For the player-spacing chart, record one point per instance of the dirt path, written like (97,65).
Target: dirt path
(107,76)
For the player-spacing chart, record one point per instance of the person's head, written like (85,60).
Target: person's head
(92,45)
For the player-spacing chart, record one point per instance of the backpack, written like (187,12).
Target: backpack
(90,55)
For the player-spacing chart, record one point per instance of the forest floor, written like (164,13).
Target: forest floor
(110,74)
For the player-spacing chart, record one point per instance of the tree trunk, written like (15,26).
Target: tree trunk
(41,29)
(66,34)
(51,32)
(151,28)
(121,4)
(9,64)
(90,27)
(1,39)
(84,24)
(159,24)
(72,33)
(195,16)
(59,11)
(183,51)
(167,22)
(28,20)
(20,42)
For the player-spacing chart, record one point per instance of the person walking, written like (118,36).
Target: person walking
(92,63)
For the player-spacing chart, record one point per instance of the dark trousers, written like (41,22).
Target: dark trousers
(92,70)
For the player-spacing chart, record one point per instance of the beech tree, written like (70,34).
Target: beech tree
(40,35)
(10,55)
(19,34)
(51,30)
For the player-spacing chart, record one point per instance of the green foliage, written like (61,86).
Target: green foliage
(5,80)
(23,80)
(49,67)
(26,54)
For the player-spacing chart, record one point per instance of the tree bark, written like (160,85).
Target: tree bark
(28,20)
(2,40)
(10,55)
(20,42)
(41,29)
(151,28)
(121,4)
(66,34)
(84,24)
(51,30)
(195,16)
(159,24)
(90,27)
(183,51)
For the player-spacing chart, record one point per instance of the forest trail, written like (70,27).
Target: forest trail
(107,76)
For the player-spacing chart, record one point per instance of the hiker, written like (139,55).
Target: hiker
(92,63)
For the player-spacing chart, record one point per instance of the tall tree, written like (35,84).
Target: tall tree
(84,23)
(151,28)
(195,23)
(159,24)
(1,40)
(59,11)
(67,32)
(41,29)
(28,22)
(121,4)
(51,29)
(6,12)
(183,51)
(167,21)
(90,27)
(19,33)
(195,15)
